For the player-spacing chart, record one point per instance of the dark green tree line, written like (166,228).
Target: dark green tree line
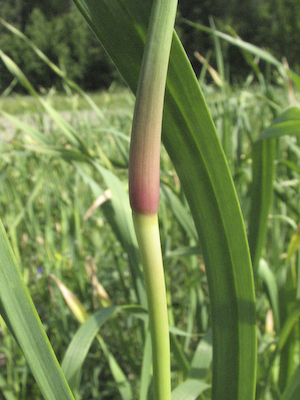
(60,32)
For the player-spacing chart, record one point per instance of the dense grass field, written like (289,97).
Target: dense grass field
(44,204)
(64,205)
(60,236)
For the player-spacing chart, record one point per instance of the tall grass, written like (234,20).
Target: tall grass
(54,169)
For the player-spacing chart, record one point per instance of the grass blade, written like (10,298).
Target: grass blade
(189,390)
(146,375)
(261,196)
(22,318)
(236,41)
(65,127)
(119,376)
(181,213)
(6,392)
(292,391)
(119,215)
(81,343)
(202,358)
(288,123)
(54,67)
(269,280)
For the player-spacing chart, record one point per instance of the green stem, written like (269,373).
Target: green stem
(147,119)
(147,231)
(144,167)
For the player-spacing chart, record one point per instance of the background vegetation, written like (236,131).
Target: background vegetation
(274,25)
(60,235)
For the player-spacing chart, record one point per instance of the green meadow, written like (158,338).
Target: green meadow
(64,206)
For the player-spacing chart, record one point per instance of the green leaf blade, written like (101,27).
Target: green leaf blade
(81,342)
(288,123)
(21,316)
(261,196)
(195,150)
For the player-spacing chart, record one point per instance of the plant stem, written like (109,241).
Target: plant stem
(144,167)
(147,232)
(147,120)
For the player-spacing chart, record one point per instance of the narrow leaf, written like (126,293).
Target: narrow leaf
(189,390)
(292,390)
(261,196)
(22,318)
(288,123)
(268,278)
(81,343)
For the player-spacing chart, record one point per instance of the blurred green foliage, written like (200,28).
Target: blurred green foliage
(67,41)
(60,32)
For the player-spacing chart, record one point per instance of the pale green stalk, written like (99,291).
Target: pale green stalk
(149,243)
(144,167)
